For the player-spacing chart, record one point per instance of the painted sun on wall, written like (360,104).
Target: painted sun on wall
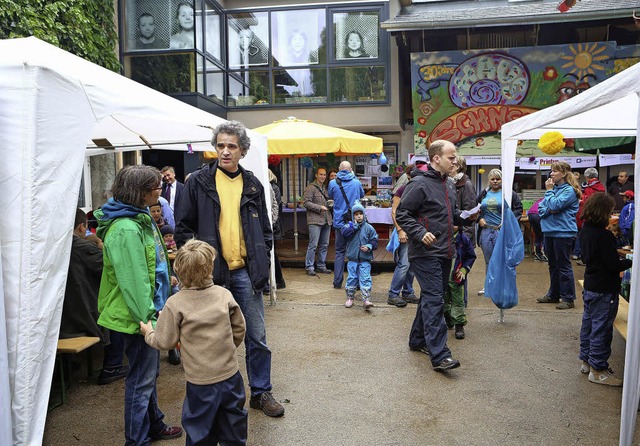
(466,96)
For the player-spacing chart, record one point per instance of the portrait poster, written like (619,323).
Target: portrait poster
(466,96)
(296,36)
(183,25)
(147,25)
(248,39)
(356,35)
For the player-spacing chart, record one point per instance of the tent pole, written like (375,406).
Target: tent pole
(295,206)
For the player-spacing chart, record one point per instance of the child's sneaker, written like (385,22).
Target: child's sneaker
(367,304)
(349,303)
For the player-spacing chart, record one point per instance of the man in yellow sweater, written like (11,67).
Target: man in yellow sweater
(224,205)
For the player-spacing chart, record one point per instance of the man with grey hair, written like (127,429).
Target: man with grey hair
(344,190)
(224,205)
(589,187)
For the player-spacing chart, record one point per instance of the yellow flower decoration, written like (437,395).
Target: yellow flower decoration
(551,143)
(480,171)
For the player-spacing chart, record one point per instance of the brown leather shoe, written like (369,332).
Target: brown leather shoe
(266,403)
(167,433)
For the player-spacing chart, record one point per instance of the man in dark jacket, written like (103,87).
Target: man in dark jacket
(224,205)
(427,213)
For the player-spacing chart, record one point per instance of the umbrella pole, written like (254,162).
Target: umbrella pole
(295,207)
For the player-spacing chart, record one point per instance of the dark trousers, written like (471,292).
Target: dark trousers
(114,352)
(429,327)
(534,221)
(215,413)
(558,251)
(596,332)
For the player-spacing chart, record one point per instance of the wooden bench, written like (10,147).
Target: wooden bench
(622,318)
(72,346)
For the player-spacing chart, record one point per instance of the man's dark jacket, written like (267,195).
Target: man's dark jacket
(428,204)
(198,214)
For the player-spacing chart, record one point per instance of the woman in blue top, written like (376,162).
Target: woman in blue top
(490,219)
(558,211)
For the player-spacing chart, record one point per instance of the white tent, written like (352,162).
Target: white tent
(607,109)
(55,108)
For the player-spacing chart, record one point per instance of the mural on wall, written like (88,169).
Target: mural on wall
(466,96)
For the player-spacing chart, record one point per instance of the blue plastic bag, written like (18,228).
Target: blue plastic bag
(500,282)
(394,242)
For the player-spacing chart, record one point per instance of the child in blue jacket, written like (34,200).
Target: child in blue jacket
(362,240)
(627,215)
(454,313)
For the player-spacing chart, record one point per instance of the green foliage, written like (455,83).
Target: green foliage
(85,28)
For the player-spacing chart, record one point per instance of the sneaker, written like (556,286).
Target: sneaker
(575,257)
(537,256)
(447,364)
(349,302)
(280,285)
(167,433)
(397,301)
(107,376)
(584,367)
(604,377)
(547,300)
(324,271)
(367,304)
(311,272)
(459,331)
(174,356)
(481,292)
(579,262)
(420,348)
(266,403)
(565,305)
(411,299)
(544,258)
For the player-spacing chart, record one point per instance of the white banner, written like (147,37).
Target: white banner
(577,162)
(477,160)
(616,159)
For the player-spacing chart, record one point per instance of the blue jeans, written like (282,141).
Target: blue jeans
(359,274)
(429,327)
(558,251)
(114,352)
(338,266)
(318,238)
(215,413)
(488,239)
(258,355)
(402,280)
(142,417)
(577,249)
(597,328)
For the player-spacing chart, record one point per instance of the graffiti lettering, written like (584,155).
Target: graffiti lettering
(476,121)
(432,72)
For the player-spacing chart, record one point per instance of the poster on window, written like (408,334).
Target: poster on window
(248,39)
(296,36)
(356,35)
(153,25)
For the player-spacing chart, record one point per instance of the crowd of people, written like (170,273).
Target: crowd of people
(210,300)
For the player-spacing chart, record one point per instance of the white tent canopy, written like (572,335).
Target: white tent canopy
(607,109)
(53,107)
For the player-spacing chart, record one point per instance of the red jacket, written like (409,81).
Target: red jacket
(593,185)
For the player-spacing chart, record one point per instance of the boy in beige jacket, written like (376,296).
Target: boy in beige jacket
(209,325)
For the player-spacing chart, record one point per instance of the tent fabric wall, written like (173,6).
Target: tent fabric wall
(608,109)
(53,105)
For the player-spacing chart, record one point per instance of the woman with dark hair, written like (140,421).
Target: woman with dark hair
(558,210)
(601,289)
(354,44)
(135,285)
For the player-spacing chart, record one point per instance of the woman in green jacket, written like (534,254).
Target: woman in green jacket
(135,285)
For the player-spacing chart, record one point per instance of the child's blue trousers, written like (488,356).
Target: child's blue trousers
(597,328)
(359,274)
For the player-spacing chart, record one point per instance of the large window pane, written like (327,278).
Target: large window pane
(213,34)
(171,73)
(182,36)
(147,25)
(248,35)
(249,88)
(200,73)
(297,37)
(356,84)
(356,35)
(300,86)
(215,83)
(198,24)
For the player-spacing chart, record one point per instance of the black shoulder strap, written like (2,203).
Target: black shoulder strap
(320,190)
(344,194)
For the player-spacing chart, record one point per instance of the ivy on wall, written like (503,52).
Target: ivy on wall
(85,28)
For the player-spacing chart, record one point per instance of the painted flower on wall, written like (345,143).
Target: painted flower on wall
(550,73)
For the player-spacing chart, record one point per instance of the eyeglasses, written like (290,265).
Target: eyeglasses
(230,146)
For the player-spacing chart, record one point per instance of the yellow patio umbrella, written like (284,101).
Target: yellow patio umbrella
(296,138)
